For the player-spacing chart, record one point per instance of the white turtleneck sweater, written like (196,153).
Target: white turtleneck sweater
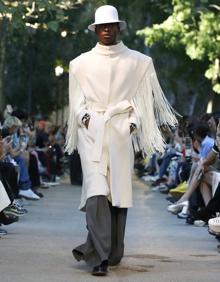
(116,86)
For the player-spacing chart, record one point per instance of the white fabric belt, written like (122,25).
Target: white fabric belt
(122,107)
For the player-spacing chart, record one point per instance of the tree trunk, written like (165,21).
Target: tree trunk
(214,102)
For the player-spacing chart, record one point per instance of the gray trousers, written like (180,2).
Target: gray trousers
(106,230)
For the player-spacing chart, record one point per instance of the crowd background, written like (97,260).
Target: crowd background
(38,40)
(188,172)
(31,157)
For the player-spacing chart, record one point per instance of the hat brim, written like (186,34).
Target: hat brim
(122,25)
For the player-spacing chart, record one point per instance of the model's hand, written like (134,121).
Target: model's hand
(85,120)
(133,127)
(131,130)
(86,123)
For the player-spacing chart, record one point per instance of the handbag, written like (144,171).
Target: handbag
(4,199)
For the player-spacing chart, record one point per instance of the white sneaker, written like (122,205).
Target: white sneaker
(147,178)
(184,213)
(156,188)
(29,194)
(53,183)
(214,224)
(199,223)
(177,207)
(154,178)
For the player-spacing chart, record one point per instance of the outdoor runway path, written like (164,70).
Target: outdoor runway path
(158,246)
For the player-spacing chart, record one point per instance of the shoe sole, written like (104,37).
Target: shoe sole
(99,273)
(53,184)
(28,198)
(45,187)
(13,213)
(182,216)
(212,232)
(176,194)
(174,211)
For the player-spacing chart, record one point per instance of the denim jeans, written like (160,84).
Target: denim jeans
(24,182)
(165,163)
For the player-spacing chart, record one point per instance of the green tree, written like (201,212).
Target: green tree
(193,26)
(22,24)
(37,36)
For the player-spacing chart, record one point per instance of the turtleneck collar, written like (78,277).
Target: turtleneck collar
(109,50)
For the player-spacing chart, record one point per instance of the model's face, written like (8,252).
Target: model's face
(107,33)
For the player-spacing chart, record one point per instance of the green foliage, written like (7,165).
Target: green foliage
(31,33)
(32,37)
(195,25)
(37,14)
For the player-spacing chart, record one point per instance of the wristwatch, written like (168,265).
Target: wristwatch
(133,126)
(85,118)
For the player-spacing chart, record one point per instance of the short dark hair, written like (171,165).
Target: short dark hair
(20,114)
(202,130)
(215,115)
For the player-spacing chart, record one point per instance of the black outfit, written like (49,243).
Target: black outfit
(34,171)
(42,139)
(9,178)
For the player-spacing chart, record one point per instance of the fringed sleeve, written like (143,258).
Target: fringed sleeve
(153,111)
(77,108)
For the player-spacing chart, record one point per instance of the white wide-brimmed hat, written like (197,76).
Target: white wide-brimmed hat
(107,14)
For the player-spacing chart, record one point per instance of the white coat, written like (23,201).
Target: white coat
(116,86)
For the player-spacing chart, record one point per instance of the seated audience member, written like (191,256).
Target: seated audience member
(9,196)
(206,144)
(55,155)
(212,120)
(212,205)
(15,156)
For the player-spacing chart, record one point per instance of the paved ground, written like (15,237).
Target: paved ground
(159,247)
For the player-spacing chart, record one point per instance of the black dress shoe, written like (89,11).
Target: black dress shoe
(100,270)
(201,214)
(190,220)
(78,255)
(9,219)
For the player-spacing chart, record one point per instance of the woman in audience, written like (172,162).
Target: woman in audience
(15,156)
(206,144)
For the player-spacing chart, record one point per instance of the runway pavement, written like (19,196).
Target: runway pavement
(158,246)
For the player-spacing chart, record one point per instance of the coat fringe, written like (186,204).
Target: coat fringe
(76,105)
(153,111)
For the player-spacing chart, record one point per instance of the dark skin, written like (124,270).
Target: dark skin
(107,35)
